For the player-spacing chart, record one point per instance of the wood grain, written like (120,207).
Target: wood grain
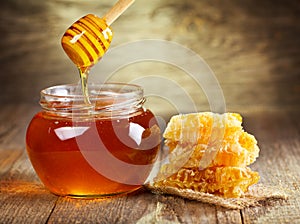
(7,158)
(25,202)
(278,165)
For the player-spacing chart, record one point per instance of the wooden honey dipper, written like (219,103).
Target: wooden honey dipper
(87,40)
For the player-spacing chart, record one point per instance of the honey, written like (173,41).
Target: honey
(66,135)
(84,84)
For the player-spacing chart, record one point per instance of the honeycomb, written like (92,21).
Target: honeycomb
(240,152)
(209,153)
(223,181)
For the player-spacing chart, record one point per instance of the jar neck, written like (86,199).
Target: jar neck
(106,100)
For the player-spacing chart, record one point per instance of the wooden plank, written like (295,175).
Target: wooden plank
(228,216)
(7,158)
(278,165)
(25,202)
(14,121)
(139,207)
(21,170)
(109,210)
(23,199)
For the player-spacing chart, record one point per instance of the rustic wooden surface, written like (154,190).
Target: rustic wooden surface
(23,198)
(252,46)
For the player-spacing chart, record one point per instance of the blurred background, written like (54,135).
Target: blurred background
(253,47)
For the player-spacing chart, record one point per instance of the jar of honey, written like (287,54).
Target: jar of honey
(102,148)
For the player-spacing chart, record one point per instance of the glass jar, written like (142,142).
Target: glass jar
(104,148)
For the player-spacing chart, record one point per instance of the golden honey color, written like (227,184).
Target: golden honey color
(87,40)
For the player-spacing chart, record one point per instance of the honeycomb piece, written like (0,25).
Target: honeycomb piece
(229,182)
(202,128)
(208,153)
(207,131)
(239,152)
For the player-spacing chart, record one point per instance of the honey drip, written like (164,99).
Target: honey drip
(84,85)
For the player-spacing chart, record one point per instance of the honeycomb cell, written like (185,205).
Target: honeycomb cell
(223,181)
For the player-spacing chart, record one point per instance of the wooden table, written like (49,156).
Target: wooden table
(253,48)
(23,199)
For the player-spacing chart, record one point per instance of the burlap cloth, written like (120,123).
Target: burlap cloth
(256,194)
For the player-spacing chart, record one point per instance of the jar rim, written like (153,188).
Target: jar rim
(104,97)
(74,90)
